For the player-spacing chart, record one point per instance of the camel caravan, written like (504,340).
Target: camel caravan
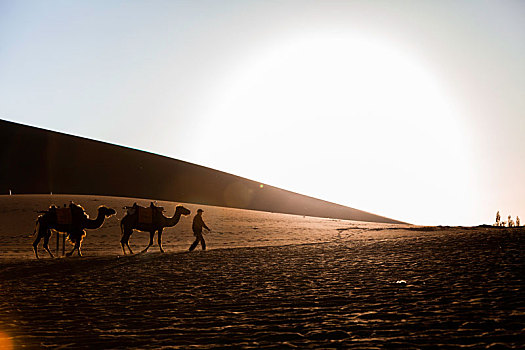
(73,221)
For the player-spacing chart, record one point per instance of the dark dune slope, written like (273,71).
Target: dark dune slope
(41,161)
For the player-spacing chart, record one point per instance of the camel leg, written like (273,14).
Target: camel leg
(130,251)
(159,239)
(124,241)
(38,232)
(123,238)
(151,235)
(46,243)
(74,238)
(35,244)
(72,251)
(46,236)
(77,248)
(79,242)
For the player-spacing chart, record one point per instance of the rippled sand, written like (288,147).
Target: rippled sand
(345,285)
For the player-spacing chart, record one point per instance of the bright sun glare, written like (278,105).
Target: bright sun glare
(346,119)
(5,341)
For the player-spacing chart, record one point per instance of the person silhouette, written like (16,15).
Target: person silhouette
(518,221)
(498,218)
(197,226)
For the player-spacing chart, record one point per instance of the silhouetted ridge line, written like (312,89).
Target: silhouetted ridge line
(35,160)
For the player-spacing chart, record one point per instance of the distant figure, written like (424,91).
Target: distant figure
(498,218)
(517,221)
(197,226)
(510,222)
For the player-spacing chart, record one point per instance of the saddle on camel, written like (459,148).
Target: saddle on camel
(145,215)
(70,215)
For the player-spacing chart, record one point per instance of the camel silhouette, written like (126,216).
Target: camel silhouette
(74,228)
(131,222)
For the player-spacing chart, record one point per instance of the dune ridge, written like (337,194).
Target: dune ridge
(38,161)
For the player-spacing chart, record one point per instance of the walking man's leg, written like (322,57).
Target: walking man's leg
(194,244)
(198,238)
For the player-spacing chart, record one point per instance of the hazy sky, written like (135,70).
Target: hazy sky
(408,109)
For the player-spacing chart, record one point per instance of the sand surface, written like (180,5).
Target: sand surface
(267,281)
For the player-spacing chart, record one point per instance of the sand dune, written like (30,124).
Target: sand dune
(268,281)
(116,171)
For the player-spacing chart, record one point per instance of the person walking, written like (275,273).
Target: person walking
(198,225)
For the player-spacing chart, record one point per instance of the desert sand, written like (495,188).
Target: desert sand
(267,281)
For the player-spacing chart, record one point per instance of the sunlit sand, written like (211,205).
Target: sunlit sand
(267,280)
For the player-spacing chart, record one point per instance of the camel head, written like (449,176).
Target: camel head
(107,212)
(181,210)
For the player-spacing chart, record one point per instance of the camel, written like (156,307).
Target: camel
(74,229)
(131,222)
